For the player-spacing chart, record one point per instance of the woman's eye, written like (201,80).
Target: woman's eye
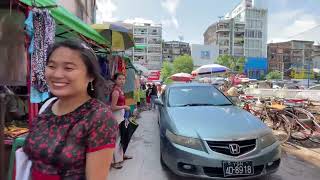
(51,66)
(68,68)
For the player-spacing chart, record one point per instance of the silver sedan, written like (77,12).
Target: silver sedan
(202,134)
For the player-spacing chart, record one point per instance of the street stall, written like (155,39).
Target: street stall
(115,61)
(27,29)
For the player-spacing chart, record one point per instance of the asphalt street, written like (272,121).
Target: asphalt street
(146,165)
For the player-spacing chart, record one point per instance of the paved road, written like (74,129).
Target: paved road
(146,163)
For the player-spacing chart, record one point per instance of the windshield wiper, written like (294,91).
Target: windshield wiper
(196,104)
(227,104)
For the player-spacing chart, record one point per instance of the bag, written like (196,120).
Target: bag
(23,164)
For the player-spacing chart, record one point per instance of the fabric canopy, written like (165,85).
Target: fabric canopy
(69,25)
(121,37)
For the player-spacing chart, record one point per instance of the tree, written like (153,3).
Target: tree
(224,60)
(166,71)
(234,63)
(274,75)
(183,64)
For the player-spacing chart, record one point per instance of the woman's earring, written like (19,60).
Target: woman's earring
(91,86)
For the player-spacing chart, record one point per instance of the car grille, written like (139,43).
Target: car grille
(218,172)
(223,146)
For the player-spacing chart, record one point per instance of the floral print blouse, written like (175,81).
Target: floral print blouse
(91,128)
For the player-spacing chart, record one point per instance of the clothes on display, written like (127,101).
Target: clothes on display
(38,97)
(129,86)
(44,33)
(13,68)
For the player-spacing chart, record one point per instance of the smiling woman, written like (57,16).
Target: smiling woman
(75,136)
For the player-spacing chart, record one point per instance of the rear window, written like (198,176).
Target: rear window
(181,96)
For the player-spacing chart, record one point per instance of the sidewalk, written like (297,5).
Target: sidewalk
(311,155)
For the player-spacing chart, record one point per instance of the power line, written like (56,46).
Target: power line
(305,31)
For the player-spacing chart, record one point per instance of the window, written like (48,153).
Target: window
(207,95)
(205,54)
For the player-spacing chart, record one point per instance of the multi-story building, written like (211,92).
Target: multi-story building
(84,9)
(148,45)
(172,49)
(294,54)
(316,56)
(242,32)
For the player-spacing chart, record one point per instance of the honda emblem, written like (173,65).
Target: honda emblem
(234,149)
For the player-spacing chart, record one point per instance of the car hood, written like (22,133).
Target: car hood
(216,123)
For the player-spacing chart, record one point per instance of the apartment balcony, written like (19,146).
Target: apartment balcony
(154,42)
(223,37)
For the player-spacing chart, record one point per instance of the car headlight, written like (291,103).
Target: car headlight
(184,141)
(267,140)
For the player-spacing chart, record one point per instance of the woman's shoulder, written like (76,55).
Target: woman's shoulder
(98,107)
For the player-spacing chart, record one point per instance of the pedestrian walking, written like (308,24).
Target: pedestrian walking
(74,137)
(153,95)
(148,95)
(119,107)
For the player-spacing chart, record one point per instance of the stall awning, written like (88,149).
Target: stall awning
(69,25)
(140,46)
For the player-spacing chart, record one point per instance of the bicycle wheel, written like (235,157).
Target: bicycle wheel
(303,124)
(282,128)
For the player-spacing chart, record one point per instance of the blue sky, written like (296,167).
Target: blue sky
(190,18)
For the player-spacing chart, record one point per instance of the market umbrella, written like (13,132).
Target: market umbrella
(210,69)
(181,77)
(144,70)
(121,37)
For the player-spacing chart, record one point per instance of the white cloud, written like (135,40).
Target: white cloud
(295,24)
(139,20)
(171,7)
(105,12)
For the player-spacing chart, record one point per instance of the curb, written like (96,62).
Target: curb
(302,153)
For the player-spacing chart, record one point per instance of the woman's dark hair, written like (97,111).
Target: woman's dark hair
(115,76)
(91,62)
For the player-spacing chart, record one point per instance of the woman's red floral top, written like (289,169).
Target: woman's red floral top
(91,128)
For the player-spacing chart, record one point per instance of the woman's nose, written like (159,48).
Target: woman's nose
(58,73)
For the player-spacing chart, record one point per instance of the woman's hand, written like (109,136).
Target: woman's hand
(126,108)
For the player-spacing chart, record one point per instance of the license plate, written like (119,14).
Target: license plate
(238,168)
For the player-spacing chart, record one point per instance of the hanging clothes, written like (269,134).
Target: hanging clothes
(129,85)
(44,33)
(121,65)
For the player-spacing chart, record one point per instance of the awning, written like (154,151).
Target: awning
(69,25)
(140,46)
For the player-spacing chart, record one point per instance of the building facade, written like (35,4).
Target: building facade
(172,49)
(148,45)
(292,55)
(316,56)
(83,9)
(203,54)
(242,32)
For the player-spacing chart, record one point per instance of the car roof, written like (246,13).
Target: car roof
(193,84)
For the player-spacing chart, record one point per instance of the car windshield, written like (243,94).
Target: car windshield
(197,96)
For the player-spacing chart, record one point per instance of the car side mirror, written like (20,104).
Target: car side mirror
(158,102)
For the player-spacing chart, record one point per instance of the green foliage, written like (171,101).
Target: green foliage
(166,71)
(183,64)
(274,75)
(234,63)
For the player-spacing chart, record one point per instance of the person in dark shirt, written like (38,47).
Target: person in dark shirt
(153,95)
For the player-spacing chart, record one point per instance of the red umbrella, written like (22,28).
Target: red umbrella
(181,77)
